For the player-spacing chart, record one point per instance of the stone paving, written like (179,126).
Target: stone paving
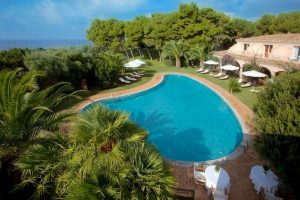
(238,168)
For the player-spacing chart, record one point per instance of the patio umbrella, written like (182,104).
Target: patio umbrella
(132,65)
(139,62)
(229,67)
(211,62)
(254,74)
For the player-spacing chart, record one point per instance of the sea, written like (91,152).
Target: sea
(32,44)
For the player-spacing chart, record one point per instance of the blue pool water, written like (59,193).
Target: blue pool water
(186,120)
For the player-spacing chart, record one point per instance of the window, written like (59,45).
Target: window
(296,53)
(246,47)
(268,50)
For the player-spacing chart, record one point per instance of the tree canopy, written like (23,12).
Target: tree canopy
(191,24)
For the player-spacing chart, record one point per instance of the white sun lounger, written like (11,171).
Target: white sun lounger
(218,75)
(200,70)
(224,77)
(205,71)
(130,78)
(135,75)
(246,85)
(124,81)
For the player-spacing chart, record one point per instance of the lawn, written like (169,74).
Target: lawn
(249,98)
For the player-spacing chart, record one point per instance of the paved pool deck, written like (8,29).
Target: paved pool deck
(237,168)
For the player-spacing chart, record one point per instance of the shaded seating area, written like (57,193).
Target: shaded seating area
(208,63)
(227,68)
(265,182)
(214,178)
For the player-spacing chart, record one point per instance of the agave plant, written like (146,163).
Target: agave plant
(174,49)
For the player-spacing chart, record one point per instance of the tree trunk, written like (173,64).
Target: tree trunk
(126,53)
(160,59)
(140,51)
(178,63)
(201,66)
(131,53)
(149,53)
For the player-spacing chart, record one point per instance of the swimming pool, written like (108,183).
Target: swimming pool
(186,120)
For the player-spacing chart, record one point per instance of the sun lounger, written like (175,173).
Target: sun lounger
(135,75)
(224,77)
(218,75)
(200,70)
(124,81)
(254,90)
(246,85)
(140,74)
(131,79)
(205,71)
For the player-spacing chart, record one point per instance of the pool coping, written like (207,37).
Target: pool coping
(241,111)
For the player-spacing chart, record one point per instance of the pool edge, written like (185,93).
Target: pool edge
(241,111)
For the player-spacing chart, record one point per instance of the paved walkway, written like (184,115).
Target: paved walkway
(238,168)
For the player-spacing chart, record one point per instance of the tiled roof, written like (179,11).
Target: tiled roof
(291,38)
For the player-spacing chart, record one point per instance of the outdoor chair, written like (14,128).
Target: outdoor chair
(246,85)
(220,195)
(124,81)
(200,69)
(130,79)
(135,75)
(218,75)
(205,71)
(224,77)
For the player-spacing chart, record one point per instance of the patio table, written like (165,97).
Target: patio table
(263,179)
(218,180)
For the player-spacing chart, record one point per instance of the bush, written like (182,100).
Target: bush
(277,119)
(234,85)
(108,68)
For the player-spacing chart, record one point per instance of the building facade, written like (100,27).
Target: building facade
(276,52)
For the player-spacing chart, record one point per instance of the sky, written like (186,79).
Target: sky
(69,19)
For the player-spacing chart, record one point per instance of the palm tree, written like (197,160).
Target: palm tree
(108,160)
(199,52)
(28,115)
(41,165)
(148,177)
(107,134)
(174,49)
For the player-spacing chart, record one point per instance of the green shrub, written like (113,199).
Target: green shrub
(234,85)
(277,119)
(108,68)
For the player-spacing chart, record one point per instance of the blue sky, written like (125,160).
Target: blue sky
(69,19)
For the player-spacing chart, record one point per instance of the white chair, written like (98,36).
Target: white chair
(200,69)
(224,77)
(135,75)
(220,195)
(246,85)
(130,79)
(205,71)
(124,81)
(140,74)
(218,75)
